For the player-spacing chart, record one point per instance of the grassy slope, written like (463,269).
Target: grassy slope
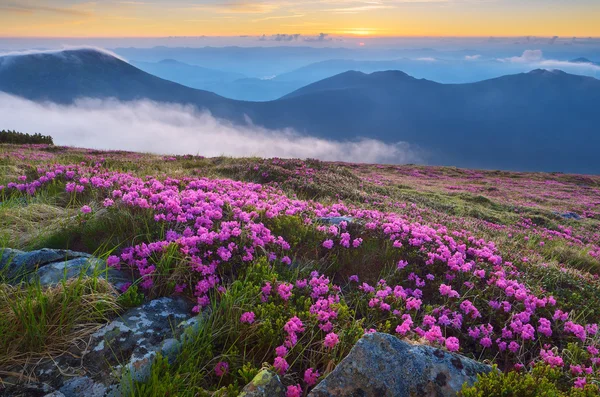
(520,212)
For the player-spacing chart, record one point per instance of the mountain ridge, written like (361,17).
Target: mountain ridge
(540,120)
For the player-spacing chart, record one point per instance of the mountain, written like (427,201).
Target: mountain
(65,76)
(540,120)
(189,75)
(583,60)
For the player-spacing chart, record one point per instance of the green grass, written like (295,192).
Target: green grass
(40,322)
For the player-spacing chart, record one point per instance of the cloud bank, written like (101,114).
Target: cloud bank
(147,126)
(62,49)
(535,58)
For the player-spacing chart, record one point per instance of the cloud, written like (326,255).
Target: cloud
(535,59)
(59,51)
(280,37)
(426,59)
(528,56)
(472,57)
(26,9)
(320,38)
(147,126)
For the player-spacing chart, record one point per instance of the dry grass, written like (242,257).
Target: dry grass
(21,226)
(38,322)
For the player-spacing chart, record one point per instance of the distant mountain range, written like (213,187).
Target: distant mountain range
(584,60)
(541,120)
(190,75)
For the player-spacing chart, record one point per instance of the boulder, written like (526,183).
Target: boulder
(51,266)
(132,341)
(54,273)
(264,384)
(383,365)
(18,263)
(82,386)
(335,220)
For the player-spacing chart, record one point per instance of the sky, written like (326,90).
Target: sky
(360,18)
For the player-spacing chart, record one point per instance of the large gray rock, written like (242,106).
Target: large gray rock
(82,386)
(264,384)
(131,342)
(383,365)
(335,220)
(52,266)
(18,263)
(54,273)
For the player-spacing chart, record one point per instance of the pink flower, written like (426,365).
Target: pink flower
(311,376)
(285,291)
(86,209)
(113,261)
(247,317)
(328,244)
(452,344)
(331,340)
(281,366)
(221,368)
(293,391)
(580,382)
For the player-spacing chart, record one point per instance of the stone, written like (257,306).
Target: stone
(54,273)
(569,215)
(82,386)
(18,263)
(335,220)
(383,365)
(132,341)
(264,384)
(51,266)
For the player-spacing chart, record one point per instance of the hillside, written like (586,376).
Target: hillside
(190,75)
(66,76)
(537,121)
(210,270)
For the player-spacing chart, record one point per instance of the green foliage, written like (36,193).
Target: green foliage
(131,298)
(542,381)
(15,137)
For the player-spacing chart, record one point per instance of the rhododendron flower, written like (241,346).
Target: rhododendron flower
(293,391)
(580,382)
(281,365)
(285,291)
(331,340)
(402,264)
(281,351)
(328,244)
(311,376)
(221,368)
(452,344)
(86,209)
(247,317)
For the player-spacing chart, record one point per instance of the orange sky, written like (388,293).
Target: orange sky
(154,18)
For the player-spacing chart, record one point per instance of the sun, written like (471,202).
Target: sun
(359,31)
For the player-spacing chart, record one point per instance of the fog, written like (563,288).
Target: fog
(147,126)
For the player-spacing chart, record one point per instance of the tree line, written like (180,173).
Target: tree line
(15,137)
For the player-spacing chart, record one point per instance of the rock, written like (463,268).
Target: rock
(132,341)
(264,384)
(383,365)
(54,273)
(51,266)
(569,215)
(18,263)
(335,220)
(82,386)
